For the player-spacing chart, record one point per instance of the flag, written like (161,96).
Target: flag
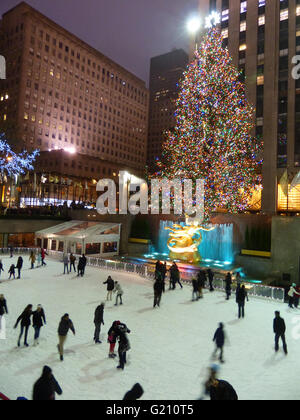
(296,181)
(284,183)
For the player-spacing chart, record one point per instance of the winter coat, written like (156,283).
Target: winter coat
(292,292)
(158,287)
(64,327)
(210,275)
(112,337)
(279,326)
(19,263)
(223,392)
(121,333)
(118,289)
(201,278)
(81,263)
(38,318)
(135,393)
(66,260)
(1,267)
(219,337)
(46,387)
(43,254)
(110,284)
(72,259)
(195,285)
(12,269)
(3,307)
(228,282)
(174,273)
(32,258)
(98,319)
(25,319)
(241,296)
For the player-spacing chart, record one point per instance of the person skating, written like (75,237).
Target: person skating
(32,259)
(158,267)
(195,290)
(3,309)
(12,271)
(134,394)
(43,256)
(80,267)
(110,287)
(228,283)
(39,259)
(291,293)
(25,324)
(219,339)
(296,297)
(72,263)
(38,321)
(158,289)
(46,387)
(119,291)
(1,267)
(220,390)
(210,275)
(241,296)
(19,266)
(174,276)
(65,325)
(66,263)
(84,263)
(112,339)
(124,345)
(98,321)
(163,274)
(11,250)
(279,329)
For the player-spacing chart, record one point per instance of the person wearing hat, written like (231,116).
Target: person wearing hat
(46,387)
(3,309)
(291,293)
(38,321)
(217,389)
(98,321)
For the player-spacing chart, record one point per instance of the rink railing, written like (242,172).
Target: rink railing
(256,290)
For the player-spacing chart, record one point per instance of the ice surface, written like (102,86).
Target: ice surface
(171,345)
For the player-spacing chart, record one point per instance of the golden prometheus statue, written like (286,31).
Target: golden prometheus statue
(185,240)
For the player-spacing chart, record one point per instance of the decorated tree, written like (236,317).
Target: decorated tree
(11,163)
(212,139)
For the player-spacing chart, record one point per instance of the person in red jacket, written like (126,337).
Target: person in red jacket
(43,255)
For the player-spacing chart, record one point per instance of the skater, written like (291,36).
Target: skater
(64,326)
(228,282)
(66,263)
(72,262)
(98,321)
(25,324)
(11,250)
(112,338)
(12,271)
(296,297)
(291,293)
(3,309)
(80,267)
(195,290)
(1,267)
(39,259)
(43,256)
(241,296)
(19,266)
(163,274)
(201,278)
(84,263)
(124,345)
(279,331)
(134,394)
(158,267)
(46,387)
(118,289)
(174,276)
(110,287)
(220,390)
(32,259)
(158,289)
(38,321)
(219,339)
(210,275)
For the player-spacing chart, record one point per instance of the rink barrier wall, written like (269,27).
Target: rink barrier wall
(255,290)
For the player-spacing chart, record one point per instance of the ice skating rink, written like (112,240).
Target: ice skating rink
(171,346)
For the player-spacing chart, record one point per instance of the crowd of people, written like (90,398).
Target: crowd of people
(47,387)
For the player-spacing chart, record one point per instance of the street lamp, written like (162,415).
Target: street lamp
(193,26)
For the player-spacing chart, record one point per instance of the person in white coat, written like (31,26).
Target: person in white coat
(118,289)
(291,293)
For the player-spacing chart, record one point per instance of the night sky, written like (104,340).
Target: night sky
(130,32)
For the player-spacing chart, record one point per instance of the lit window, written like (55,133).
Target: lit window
(260,80)
(25,116)
(6,96)
(51,73)
(243,47)
(284,14)
(298,11)
(2,98)
(225,15)
(244,7)
(243,26)
(4,117)
(261,20)
(261,3)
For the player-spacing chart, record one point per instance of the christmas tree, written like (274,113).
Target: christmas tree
(212,139)
(12,163)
